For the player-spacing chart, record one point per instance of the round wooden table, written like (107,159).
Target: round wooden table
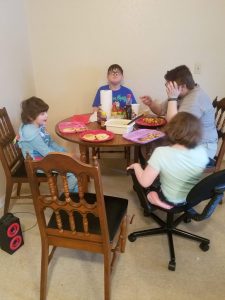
(117,142)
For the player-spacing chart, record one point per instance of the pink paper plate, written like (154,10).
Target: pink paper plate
(72,127)
(143,136)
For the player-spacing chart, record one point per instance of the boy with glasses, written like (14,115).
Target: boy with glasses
(119,92)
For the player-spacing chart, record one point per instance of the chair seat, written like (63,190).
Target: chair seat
(115,211)
(21,173)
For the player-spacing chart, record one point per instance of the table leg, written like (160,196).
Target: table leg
(84,157)
(136,153)
(127,151)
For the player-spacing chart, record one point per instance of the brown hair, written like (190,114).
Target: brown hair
(115,67)
(182,75)
(184,129)
(31,108)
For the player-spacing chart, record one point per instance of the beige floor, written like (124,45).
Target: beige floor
(141,272)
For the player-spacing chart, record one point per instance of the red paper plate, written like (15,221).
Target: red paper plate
(96,136)
(81,118)
(151,121)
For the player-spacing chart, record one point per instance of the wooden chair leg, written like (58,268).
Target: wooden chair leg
(19,185)
(8,194)
(44,272)
(107,276)
(123,235)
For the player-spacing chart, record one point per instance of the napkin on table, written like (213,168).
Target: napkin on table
(106,102)
(81,118)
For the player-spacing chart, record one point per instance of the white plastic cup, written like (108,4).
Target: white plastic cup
(135,108)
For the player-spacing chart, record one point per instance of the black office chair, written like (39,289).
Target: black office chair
(210,188)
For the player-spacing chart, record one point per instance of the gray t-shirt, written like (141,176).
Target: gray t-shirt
(198,103)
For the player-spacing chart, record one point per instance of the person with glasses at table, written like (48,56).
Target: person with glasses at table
(185,95)
(119,92)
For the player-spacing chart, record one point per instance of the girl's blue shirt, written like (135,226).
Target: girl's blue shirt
(36,141)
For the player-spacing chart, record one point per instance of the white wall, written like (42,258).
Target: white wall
(74,41)
(16,77)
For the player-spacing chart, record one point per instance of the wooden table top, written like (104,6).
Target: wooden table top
(117,141)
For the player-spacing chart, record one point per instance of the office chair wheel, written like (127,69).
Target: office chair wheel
(204,246)
(131,237)
(172,265)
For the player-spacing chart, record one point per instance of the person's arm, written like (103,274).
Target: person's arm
(145,177)
(53,145)
(171,109)
(39,145)
(133,100)
(156,108)
(96,103)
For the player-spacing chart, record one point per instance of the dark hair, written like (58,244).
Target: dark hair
(114,68)
(184,129)
(31,108)
(182,75)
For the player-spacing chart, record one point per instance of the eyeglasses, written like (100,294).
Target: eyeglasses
(115,73)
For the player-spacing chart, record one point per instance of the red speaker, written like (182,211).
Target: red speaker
(11,238)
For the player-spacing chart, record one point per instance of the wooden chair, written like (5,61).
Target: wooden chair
(12,159)
(220,125)
(84,221)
